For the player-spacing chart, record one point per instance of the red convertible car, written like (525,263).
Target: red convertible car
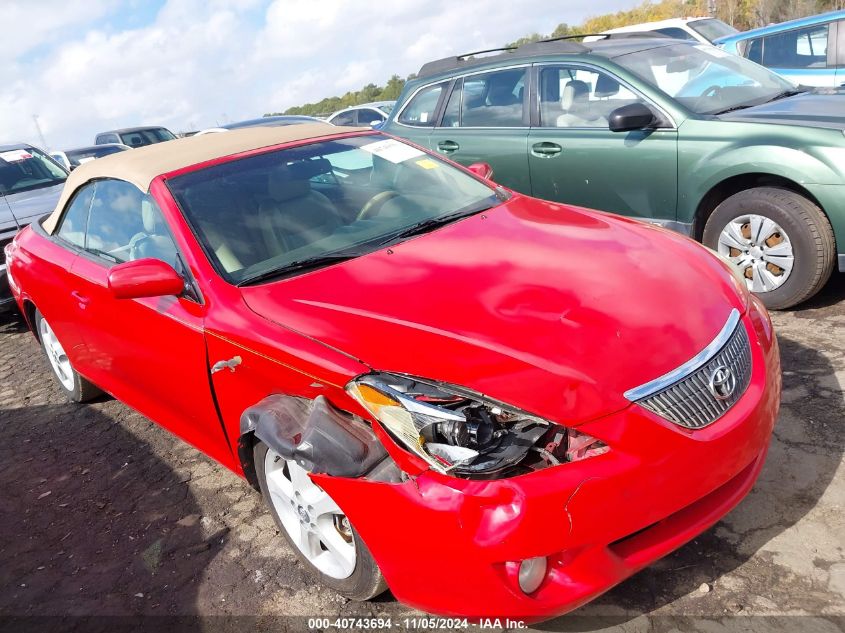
(491,404)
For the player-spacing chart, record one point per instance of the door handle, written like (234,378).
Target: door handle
(230,364)
(81,298)
(546,149)
(447,147)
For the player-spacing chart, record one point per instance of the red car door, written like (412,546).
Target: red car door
(150,352)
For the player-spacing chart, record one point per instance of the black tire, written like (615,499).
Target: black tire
(83,390)
(366,581)
(809,230)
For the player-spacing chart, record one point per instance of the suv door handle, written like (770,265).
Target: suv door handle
(447,147)
(546,149)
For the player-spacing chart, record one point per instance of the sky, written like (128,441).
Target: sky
(78,67)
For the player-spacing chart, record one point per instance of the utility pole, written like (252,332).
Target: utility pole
(40,133)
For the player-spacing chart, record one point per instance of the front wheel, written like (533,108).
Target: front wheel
(781,241)
(316,528)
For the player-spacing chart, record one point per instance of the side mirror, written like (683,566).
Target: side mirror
(635,116)
(144,278)
(482,170)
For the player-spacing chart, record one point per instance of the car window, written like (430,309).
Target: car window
(494,99)
(580,98)
(674,31)
(135,139)
(125,224)
(366,117)
(799,48)
(75,217)
(421,109)
(711,28)
(139,138)
(341,198)
(344,119)
(27,168)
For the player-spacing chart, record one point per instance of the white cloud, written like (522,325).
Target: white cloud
(197,63)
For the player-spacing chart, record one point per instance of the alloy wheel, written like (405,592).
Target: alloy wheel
(56,355)
(313,521)
(760,248)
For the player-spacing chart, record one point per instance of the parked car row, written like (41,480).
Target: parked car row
(671,132)
(809,51)
(70,159)
(701,29)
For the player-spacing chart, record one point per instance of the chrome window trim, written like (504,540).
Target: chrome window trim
(673,126)
(696,362)
(450,79)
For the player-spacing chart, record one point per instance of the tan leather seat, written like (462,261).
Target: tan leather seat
(293,215)
(575,103)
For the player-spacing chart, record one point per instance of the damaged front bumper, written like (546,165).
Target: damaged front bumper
(453,546)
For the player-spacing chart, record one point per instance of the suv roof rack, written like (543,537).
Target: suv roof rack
(563,44)
(468,60)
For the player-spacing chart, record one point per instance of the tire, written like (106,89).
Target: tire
(801,229)
(365,580)
(74,386)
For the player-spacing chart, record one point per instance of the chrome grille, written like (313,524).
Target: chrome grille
(689,401)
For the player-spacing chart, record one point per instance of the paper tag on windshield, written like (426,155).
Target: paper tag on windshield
(392,150)
(15,155)
(86,160)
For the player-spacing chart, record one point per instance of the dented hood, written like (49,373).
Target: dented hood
(549,308)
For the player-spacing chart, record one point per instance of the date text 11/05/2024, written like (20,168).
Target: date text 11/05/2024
(426,623)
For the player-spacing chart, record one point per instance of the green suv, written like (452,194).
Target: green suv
(676,133)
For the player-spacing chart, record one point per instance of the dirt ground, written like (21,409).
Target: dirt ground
(104,514)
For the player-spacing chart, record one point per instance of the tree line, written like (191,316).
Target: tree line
(743,14)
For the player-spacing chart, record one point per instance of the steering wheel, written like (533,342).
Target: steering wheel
(712,91)
(374,204)
(135,245)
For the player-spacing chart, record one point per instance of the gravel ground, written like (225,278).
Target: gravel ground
(104,514)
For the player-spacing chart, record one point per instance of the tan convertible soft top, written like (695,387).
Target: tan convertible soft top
(141,166)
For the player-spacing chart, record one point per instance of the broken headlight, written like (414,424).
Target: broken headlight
(464,433)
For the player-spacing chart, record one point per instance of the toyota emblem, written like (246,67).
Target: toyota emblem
(722,383)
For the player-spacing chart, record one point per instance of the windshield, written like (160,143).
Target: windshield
(139,138)
(705,79)
(712,29)
(387,108)
(287,210)
(28,168)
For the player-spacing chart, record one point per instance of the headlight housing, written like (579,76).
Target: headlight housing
(460,432)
